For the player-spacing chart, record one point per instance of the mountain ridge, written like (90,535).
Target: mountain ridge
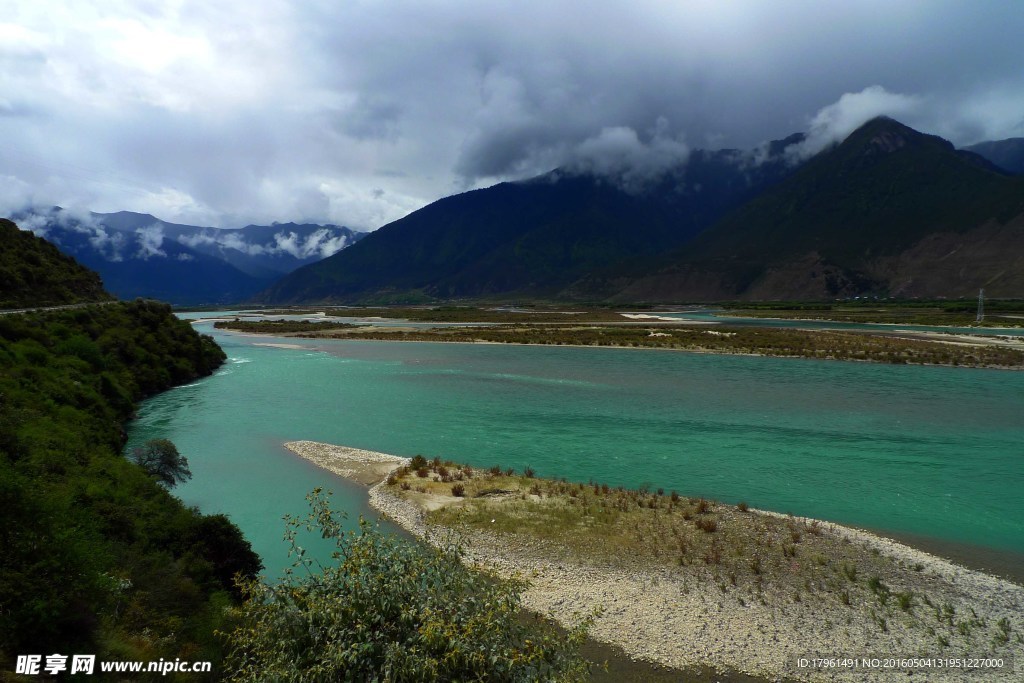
(533,237)
(864,217)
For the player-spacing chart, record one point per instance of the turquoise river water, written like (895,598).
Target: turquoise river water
(932,452)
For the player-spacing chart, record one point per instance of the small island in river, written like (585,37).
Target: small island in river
(602,328)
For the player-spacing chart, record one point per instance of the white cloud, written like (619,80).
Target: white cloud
(836,121)
(230,112)
(151,238)
(320,243)
(618,154)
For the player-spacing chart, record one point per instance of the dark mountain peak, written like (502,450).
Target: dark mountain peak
(778,147)
(883,135)
(127,221)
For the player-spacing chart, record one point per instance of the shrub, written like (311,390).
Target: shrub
(422,472)
(458,490)
(528,472)
(742,506)
(417,462)
(706,524)
(391,610)
(703,506)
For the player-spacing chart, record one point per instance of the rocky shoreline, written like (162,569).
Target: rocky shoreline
(682,618)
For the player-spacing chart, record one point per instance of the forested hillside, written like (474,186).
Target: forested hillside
(96,556)
(33,272)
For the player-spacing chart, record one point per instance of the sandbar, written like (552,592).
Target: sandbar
(678,617)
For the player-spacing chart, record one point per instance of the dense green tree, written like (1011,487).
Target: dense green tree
(162,461)
(391,610)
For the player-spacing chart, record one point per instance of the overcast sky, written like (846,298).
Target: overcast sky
(232,112)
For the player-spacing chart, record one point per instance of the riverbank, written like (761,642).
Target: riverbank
(687,583)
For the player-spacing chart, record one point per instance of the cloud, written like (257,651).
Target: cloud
(232,113)
(150,239)
(619,154)
(320,243)
(56,224)
(833,123)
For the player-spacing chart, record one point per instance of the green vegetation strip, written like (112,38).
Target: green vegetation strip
(466,314)
(821,344)
(278,326)
(959,314)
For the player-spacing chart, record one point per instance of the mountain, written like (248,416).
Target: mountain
(262,251)
(34,272)
(890,211)
(534,237)
(1006,154)
(142,263)
(139,255)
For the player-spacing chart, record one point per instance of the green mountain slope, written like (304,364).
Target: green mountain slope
(34,272)
(530,238)
(95,556)
(890,211)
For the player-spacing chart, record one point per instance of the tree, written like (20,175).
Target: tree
(161,460)
(391,610)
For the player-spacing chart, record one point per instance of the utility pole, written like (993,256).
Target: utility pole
(981,305)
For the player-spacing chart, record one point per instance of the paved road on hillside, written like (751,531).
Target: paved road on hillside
(10,311)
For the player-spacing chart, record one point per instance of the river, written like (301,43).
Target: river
(933,453)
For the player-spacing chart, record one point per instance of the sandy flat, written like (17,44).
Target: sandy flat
(365,467)
(675,617)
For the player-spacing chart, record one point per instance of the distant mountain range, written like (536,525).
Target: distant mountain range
(1006,154)
(139,255)
(888,212)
